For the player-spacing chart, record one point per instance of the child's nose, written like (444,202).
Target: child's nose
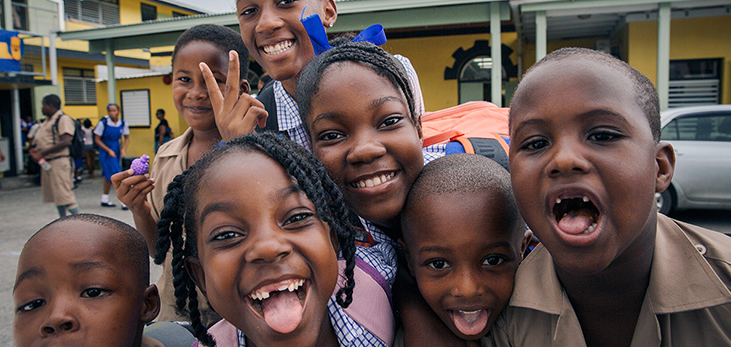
(198,91)
(365,149)
(467,285)
(567,159)
(268,21)
(60,320)
(268,248)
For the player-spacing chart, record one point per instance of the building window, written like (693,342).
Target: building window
(93,11)
(178,14)
(695,82)
(79,87)
(149,12)
(20,15)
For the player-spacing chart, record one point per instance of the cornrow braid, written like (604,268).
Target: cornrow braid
(177,223)
(364,53)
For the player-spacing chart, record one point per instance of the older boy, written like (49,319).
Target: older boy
(83,280)
(464,239)
(586,162)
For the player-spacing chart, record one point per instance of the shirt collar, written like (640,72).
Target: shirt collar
(176,148)
(288,116)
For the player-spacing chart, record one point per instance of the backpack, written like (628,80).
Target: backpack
(477,127)
(266,97)
(76,148)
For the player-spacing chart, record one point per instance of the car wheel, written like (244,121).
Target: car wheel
(664,202)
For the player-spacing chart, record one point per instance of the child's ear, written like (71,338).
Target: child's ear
(195,271)
(527,237)
(244,87)
(408,258)
(150,304)
(333,238)
(665,163)
(330,13)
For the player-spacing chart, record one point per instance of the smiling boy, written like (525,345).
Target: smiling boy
(83,280)
(464,239)
(586,162)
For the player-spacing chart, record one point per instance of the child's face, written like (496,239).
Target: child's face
(584,165)
(75,287)
(464,254)
(113,112)
(189,89)
(258,235)
(274,35)
(362,132)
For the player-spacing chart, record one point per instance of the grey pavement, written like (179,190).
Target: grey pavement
(21,214)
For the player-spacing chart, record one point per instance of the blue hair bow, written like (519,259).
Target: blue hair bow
(316,31)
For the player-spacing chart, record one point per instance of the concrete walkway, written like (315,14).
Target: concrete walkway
(21,214)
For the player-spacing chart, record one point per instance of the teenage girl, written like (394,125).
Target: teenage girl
(277,40)
(106,136)
(203,43)
(257,225)
(357,106)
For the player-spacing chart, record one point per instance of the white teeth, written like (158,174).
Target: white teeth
(283,287)
(375,181)
(590,229)
(278,47)
(585,199)
(469,312)
(558,200)
(262,294)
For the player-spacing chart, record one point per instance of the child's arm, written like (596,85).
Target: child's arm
(125,143)
(237,112)
(132,190)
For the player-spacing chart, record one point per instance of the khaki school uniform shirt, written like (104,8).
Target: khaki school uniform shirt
(170,161)
(688,302)
(44,137)
(56,184)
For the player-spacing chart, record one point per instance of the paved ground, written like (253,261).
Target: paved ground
(22,214)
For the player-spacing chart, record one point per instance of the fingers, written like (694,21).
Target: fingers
(132,189)
(214,93)
(119,176)
(232,80)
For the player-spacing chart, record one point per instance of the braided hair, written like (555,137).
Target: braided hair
(364,53)
(179,214)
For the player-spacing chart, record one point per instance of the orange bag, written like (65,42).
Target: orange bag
(479,127)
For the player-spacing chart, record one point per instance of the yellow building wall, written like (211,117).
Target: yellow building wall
(694,38)
(142,140)
(129,11)
(431,55)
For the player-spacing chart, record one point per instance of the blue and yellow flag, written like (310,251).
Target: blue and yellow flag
(11,49)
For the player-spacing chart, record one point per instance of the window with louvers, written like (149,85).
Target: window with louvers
(79,87)
(94,11)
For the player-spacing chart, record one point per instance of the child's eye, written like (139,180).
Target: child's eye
(93,292)
(225,235)
(533,145)
(603,136)
(437,264)
(31,305)
(184,79)
(285,2)
(493,260)
(329,136)
(390,121)
(247,11)
(299,217)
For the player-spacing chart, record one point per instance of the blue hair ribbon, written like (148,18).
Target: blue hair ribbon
(316,31)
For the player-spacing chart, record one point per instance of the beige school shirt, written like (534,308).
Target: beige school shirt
(171,160)
(56,184)
(688,302)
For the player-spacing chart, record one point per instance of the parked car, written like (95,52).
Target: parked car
(701,137)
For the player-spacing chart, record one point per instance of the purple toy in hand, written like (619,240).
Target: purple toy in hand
(140,165)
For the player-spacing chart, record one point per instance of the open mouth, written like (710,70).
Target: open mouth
(374,181)
(470,322)
(277,48)
(281,304)
(576,216)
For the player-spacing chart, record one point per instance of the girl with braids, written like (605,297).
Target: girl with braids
(257,225)
(144,194)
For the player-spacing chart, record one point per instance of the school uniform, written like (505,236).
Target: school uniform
(688,302)
(170,161)
(110,133)
(56,183)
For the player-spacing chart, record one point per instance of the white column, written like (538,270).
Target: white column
(111,80)
(496,81)
(541,36)
(663,54)
(18,146)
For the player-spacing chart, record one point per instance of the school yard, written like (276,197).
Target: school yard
(22,214)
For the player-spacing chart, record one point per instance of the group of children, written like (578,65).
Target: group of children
(292,247)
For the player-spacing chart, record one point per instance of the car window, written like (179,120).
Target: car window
(704,127)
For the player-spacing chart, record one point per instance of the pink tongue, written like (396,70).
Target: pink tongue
(282,311)
(574,224)
(470,324)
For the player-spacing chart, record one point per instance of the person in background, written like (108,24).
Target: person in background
(106,135)
(89,150)
(162,131)
(2,156)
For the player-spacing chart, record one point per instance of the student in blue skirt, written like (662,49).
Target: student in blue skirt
(106,135)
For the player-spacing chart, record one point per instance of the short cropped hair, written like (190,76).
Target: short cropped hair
(643,89)
(128,238)
(460,174)
(52,100)
(224,38)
